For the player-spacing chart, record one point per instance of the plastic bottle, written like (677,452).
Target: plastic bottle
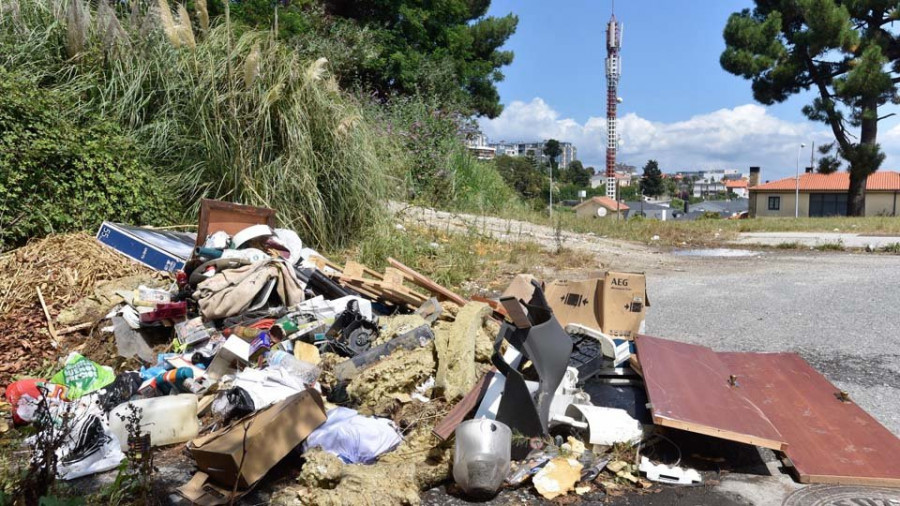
(169,419)
(308,373)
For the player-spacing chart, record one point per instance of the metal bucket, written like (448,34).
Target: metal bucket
(482,456)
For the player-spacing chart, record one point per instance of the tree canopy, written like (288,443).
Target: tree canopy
(577,174)
(522,174)
(552,150)
(652,183)
(847,52)
(445,47)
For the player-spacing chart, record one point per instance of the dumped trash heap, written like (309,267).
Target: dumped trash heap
(251,349)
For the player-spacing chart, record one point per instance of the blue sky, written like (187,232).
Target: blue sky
(679,106)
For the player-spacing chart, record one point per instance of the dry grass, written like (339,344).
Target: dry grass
(65,267)
(711,232)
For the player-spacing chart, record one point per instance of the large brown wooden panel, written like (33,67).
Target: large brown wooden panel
(689,389)
(829,441)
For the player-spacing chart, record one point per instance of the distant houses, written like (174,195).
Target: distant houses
(479,145)
(824,195)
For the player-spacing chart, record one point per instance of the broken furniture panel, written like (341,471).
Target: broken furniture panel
(689,389)
(829,440)
(231,218)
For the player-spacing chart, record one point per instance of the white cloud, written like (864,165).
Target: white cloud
(728,138)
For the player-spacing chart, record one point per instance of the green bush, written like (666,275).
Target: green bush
(226,112)
(60,173)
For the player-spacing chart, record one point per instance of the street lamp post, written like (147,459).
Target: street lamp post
(797,184)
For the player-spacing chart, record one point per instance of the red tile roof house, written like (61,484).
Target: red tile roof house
(738,187)
(591,208)
(825,195)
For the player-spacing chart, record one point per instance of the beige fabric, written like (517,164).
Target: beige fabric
(231,291)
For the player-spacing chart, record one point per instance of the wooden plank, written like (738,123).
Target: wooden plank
(428,284)
(829,441)
(496,306)
(353,269)
(689,390)
(445,428)
(517,313)
(50,328)
(393,277)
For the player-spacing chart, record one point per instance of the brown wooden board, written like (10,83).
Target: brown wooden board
(426,283)
(829,441)
(445,428)
(216,215)
(689,390)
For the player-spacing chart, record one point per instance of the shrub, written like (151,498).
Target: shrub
(61,171)
(224,113)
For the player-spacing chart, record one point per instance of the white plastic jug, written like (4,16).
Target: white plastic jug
(481,459)
(168,419)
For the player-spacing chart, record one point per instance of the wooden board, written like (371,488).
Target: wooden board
(829,441)
(689,390)
(428,284)
(217,215)
(445,428)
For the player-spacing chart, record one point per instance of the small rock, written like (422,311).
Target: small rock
(654,238)
(399,227)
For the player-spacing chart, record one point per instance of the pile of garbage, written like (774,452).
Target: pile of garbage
(254,349)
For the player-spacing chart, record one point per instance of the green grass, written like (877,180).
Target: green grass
(224,113)
(455,259)
(830,246)
(703,232)
(893,248)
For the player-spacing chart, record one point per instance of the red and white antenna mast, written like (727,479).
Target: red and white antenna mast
(613,69)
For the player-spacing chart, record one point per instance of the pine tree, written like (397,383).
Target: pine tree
(652,183)
(846,51)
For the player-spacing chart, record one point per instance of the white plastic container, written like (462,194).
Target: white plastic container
(169,419)
(482,456)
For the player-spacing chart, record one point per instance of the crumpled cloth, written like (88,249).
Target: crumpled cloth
(231,292)
(354,438)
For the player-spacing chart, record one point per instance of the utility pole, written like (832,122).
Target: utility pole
(797,184)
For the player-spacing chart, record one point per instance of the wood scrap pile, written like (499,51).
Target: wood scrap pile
(392,286)
(65,268)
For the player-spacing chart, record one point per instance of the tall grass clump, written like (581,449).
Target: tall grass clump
(224,113)
(425,143)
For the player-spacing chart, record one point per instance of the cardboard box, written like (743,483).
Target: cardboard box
(272,434)
(576,301)
(615,304)
(158,249)
(624,304)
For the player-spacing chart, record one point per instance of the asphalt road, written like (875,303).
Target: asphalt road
(839,311)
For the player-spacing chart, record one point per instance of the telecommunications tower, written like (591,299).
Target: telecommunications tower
(613,69)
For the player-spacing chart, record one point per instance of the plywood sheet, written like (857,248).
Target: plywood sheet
(217,215)
(689,389)
(829,441)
